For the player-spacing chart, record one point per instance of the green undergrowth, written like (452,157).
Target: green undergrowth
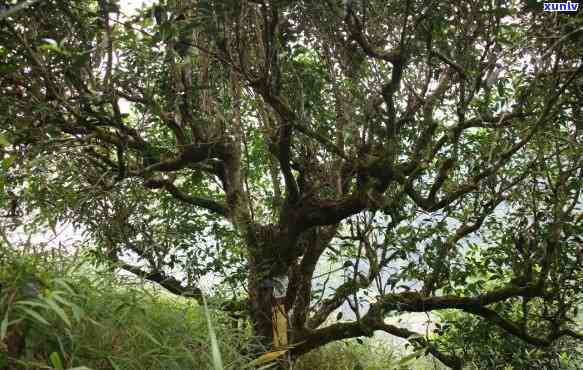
(349,355)
(59,312)
(364,354)
(67,315)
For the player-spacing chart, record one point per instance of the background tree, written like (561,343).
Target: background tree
(432,151)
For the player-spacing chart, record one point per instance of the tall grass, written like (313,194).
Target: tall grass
(72,316)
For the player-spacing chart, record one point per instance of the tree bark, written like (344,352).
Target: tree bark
(267,286)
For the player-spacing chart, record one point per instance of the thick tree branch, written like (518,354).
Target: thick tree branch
(366,327)
(330,213)
(208,204)
(417,339)
(336,300)
(415,302)
(326,143)
(190,154)
(356,31)
(205,203)
(447,60)
(286,119)
(168,282)
(518,330)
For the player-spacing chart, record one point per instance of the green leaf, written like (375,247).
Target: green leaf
(81,59)
(62,300)
(77,313)
(149,336)
(59,311)
(4,140)
(216,353)
(65,285)
(32,304)
(56,361)
(113,364)
(51,45)
(7,161)
(4,327)
(8,68)
(409,358)
(35,315)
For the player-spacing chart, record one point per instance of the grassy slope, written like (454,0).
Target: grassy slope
(100,321)
(72,315)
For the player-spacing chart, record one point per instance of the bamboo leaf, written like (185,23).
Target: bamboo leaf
(4,326)
(149,336)
(35,315)
(59,311)
(56,361)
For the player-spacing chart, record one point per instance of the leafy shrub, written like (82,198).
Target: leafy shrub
(484,346)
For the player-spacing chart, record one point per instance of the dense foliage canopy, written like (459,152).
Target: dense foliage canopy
(425,155)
